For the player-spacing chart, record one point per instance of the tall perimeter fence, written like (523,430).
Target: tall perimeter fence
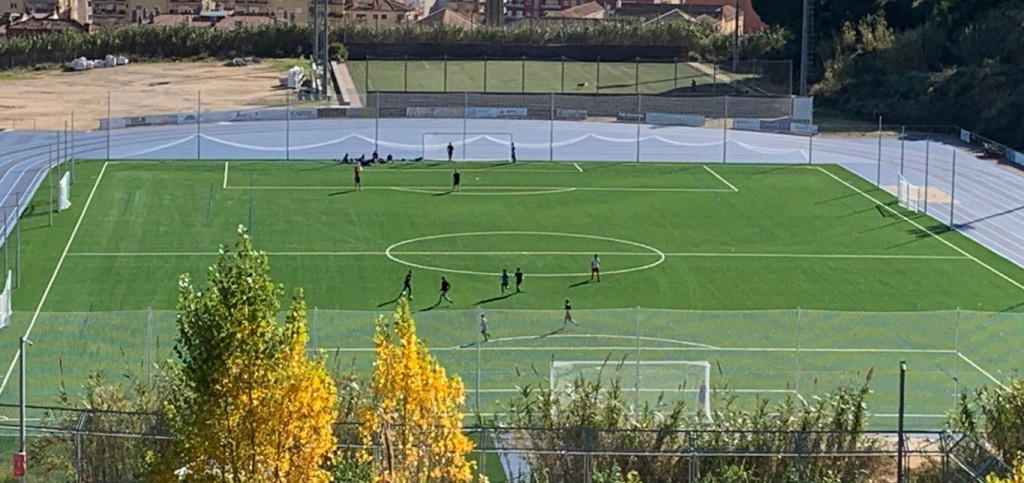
(91,445)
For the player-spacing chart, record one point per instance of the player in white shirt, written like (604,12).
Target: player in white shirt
(595,268)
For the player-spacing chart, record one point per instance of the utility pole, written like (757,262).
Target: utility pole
(805,45)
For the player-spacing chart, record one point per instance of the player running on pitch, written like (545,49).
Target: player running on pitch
(595,268)
(407,286)
(519,279)
(357,172)
(483,328)
(456,181)
(568,314)
(445,288)
(504,281)
(451,149)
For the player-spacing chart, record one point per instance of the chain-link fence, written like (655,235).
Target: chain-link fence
(775,356)
(90,445)
(676,77)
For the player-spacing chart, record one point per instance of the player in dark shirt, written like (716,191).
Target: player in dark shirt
(568,314)
(358,173)
(445,287)
(407,286)
(504,280)
(519,279)
(456,181)
(513,152)
(451,149)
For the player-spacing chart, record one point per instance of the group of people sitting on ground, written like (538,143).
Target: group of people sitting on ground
(374,158)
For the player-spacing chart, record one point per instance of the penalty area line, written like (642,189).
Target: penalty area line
(578,168)
(225,175)
(983,371)
(713,173)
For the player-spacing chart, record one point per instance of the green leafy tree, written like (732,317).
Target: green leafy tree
(248,405)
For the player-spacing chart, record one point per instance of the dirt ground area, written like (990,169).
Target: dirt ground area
(935,195)
(47,98)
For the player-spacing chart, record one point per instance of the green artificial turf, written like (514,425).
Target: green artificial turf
(790,280)
(532,76)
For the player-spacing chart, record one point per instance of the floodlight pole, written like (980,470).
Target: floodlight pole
(901,438)
(639,116)
(465,106)
(551,132)
(376,123)
(736,39)
(927,163)
(805,46)
(903,146)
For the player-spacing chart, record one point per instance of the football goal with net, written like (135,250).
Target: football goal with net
(909,196)
(648,380)
(469,146)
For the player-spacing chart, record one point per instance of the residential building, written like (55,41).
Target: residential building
(722,18)
(378,12)
(219,19)
(535,9)
(36,24)
(750,21)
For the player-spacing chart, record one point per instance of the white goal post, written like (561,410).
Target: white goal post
(690,379)
(468,146)
(909,196)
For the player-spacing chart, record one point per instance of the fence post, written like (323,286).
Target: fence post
(287,126)
(725,132)
(17,231)
(675,73)
(956,360)
(109,122)
(927,162)
(952,194)
(485,74)
(636,384)
(78,446)
(903,145)
(522,67)
(445,58)
(376,122)
(810,149)
(562,86)
(72,146)
(199,125)
(639,116)
(636,82)
(878,170)
(366,76)
(714,78)
(597,85)
(149,342)
(551,133)
(796,379)
(405,74)
(49,174)
(465,108)
(7,244)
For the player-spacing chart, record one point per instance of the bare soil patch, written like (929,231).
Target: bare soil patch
(934,195)
(135,89)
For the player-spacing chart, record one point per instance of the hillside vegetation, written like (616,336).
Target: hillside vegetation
(918,61)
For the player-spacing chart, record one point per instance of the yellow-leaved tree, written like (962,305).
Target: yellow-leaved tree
(1016,477)
(247,403)
(415,422)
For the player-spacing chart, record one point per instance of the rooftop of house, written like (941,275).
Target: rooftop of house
(592,10)
(377,6)
(751,20)
(40,22)
(447,16)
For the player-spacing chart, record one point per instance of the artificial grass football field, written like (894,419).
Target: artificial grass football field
(532,76)
(735,249)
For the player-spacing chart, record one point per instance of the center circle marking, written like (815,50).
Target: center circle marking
(395,257)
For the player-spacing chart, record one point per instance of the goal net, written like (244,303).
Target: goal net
(909,196)
(64,193)
(649,381)
(5,303)
(470,146)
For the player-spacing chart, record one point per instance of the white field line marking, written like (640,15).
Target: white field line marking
(919,227)
(721,178)
(598,336)
(578,168)
(648,348)
(56,270)
(801,398)
(539,191)
(465,170)
(507,188)
(853,256)
(983,371)
(225,175)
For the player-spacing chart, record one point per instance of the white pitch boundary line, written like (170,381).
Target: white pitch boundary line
(720,178)
(56,270)
(225,175)
(919,227)
(671,389)
(840,256)
(983,371)
(578,168)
